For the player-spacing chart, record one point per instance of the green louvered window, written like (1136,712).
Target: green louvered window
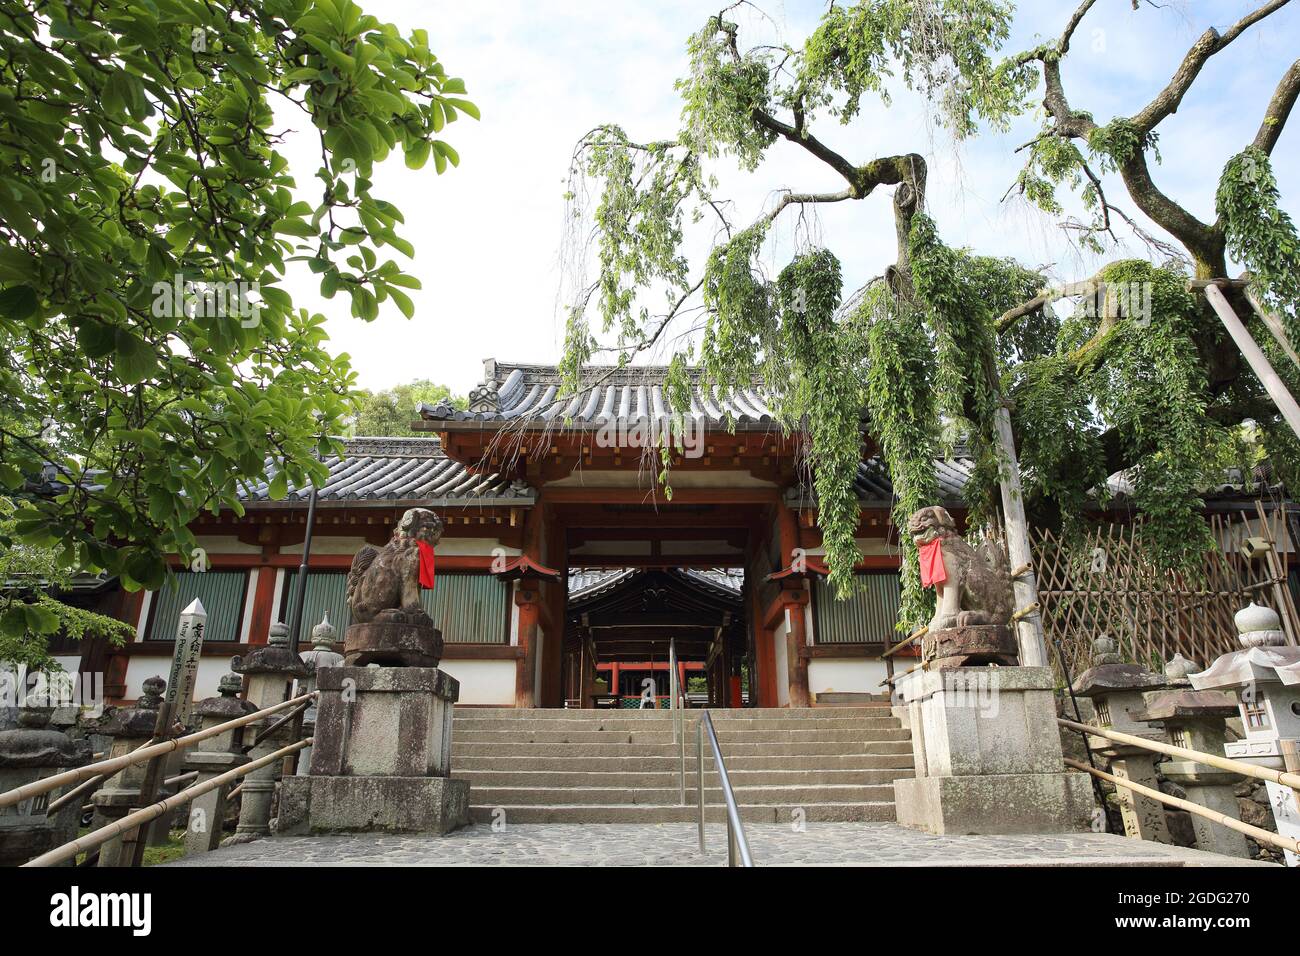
(220,592)
(327,593)
(469,608)
(868,617)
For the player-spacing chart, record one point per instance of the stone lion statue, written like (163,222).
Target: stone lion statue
(384,583)
(977,589)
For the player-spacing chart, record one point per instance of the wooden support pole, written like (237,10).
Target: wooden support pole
(1274,325)
(1255,357)
(1029,629)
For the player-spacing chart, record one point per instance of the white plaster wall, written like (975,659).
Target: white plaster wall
(474,546)
(483,682)
(142,668)
(782,664)
(645,478)
(328,544)
(226,544)
(876,546)
(846,676)
(69,664)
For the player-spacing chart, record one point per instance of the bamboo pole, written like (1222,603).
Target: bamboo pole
(1232,823)
(140,817)
(907,641)
(108,767)
(1286,779)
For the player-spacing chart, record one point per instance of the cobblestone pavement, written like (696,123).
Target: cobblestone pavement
(674,844)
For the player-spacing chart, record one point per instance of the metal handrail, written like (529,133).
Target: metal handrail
(679,735)
(737,845)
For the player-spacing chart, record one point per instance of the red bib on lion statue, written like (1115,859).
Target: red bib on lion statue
(932,570)
(426,563)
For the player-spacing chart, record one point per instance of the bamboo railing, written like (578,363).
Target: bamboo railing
(1258,834)
(111,766)
(155,810)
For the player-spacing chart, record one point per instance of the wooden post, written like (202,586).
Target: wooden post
(1029,629)
(1274,325)
(795,639)
(1255,357)
(526,599)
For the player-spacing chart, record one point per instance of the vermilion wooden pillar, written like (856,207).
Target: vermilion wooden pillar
(796,639)
(526,599)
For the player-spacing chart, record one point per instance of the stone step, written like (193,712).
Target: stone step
(668,764)
(644,813)
(866,725)
(726,739)
(748,713)
(610,748)
(665,796)
(559,779)
(850,699)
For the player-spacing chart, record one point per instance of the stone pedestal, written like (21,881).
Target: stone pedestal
(970,646)
(1116,690)
(382,757)
(1195,720)
(988,755)
(30,753)
(130,728)
(270,671)
(211,758)
(394,639)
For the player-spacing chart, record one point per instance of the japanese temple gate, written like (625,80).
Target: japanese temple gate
(541,501)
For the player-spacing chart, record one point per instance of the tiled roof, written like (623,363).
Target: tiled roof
(511,393)
(874,485)
(587,583)
(387,470)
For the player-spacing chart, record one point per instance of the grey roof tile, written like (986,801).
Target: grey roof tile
(401,469)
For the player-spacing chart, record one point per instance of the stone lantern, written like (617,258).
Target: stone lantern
(269,672)
(322,654)
(30,753)
(1116,690)
(213,757)
(1195,720)
(1265,677)
(130,728)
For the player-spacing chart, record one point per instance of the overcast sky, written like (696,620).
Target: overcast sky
(543,72)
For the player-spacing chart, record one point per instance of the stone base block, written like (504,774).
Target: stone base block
(996,803)
(390,643)
(383,721)
(372,804)
(970,645)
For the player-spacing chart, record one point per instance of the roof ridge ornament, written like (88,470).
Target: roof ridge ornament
(484,399)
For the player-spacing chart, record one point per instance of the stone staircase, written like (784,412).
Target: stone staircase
(836,764)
